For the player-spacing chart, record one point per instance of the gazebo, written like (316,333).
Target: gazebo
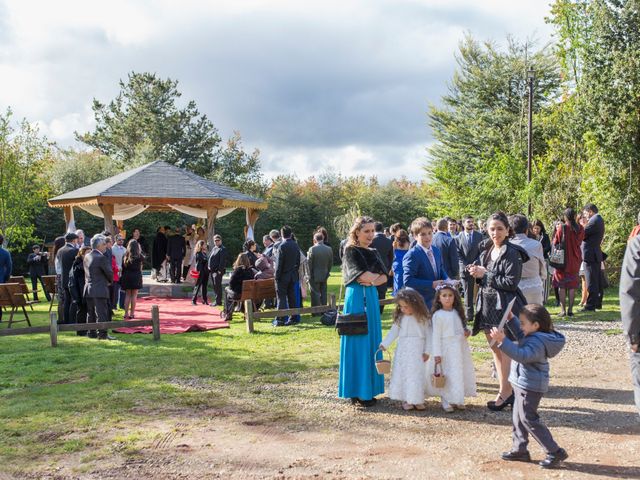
(158,186)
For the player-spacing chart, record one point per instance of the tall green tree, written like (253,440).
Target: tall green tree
(24,180)
(478,163)
(145,119)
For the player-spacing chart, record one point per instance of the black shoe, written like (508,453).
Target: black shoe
(277,323)
(290,323)
(516,456)
(553,459)
(193,301)
(569,313)
(82,333)
(106,337)
(587,309)
(498,408)
(367,403)
(92,335)
(204,302)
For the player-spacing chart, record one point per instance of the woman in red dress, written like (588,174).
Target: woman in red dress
(566,279)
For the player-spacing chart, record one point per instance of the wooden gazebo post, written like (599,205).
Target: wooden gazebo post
(68,217)
(107,211)
(212,213)
(252,218)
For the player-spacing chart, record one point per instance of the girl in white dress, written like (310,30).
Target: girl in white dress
(411,326)
(450,350)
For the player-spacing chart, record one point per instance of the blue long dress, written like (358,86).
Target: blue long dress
(398,283)
(358,377)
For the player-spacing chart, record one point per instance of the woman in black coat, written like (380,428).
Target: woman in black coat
(203,272)
(250,249)
(131,277)
(498,275)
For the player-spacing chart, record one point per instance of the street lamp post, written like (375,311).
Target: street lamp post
(530,78)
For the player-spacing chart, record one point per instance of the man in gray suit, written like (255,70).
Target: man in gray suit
(630,308)
(98,276)
(320,259)
(468,245)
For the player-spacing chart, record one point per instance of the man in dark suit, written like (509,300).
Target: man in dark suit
(6,265)
(66,255)
(217,267)
(630,308)
(287,257)
(468,247)
(444,242)
(37,261)
(276,241)
(592,257)
(384,246)
(320,260)
(176,250)
(98,276)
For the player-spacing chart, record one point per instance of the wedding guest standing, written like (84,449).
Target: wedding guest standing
(468,243)
(320,261)
(131,279)
(217,267)
(78,311)
(630,309)
(6,266)
(498,275)
(534,270)
(401,244)
(567,279)
(159,256)
(362,272)
(384,246)
(98,276)
(36,261)
(592,255)
(203,273)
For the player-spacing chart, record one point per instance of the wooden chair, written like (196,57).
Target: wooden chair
(14,293)
(5,299)
(50,287)
(264,290)
(24,289)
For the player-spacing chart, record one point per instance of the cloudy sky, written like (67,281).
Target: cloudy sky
(338,86)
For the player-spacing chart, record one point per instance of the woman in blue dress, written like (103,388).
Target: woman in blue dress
(362,271)
(401,244)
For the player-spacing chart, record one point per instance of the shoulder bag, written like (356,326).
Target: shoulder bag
(557,258)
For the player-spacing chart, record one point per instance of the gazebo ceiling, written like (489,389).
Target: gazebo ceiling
(157,185)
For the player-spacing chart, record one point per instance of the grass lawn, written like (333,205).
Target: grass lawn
(58,400)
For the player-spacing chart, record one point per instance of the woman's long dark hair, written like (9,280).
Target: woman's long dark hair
(570,216)
(538,223)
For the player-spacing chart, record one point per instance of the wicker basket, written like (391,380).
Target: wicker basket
(382,366)
(438,379)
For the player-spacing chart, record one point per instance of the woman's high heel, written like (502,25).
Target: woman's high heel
(498,408)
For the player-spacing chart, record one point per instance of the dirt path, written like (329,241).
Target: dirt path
(298,430)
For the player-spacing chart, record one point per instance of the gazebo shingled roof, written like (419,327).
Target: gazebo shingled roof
(158,186)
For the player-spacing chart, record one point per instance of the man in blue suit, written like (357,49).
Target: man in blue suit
(422,265)
(5,265)
(448,248)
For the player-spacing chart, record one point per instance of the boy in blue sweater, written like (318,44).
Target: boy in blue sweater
(537,342)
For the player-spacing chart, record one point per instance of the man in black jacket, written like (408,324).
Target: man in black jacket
(287,258)
(468,245)
(37,261)
(592,257)
(66,255)
(384,246)
(176,250)
(217,267)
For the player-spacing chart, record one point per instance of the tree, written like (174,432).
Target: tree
(478,163)
(24,180)
(145,118)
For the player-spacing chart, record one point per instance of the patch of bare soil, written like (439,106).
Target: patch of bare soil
(297,429)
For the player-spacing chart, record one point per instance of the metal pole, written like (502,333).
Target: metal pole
(530,76)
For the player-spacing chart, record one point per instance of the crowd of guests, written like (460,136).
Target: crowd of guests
(501,269)
(94,277)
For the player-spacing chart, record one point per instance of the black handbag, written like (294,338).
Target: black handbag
(328,318)
(352,324)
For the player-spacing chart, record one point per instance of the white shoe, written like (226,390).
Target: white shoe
(446,407)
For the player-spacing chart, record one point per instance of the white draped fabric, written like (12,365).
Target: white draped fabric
(120,211)
(200,212)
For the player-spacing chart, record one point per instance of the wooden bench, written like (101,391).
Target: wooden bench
(50,288)
(253,291)
(24,289)
(12,294)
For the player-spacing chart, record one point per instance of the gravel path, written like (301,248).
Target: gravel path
(297,429)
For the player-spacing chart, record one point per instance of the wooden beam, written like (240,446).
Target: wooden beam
(252,215)
(107,211)
(212,213)
(68,217)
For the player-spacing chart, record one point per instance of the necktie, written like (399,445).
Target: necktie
(432,260)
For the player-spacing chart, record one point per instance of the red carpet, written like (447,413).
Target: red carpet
(177,315)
